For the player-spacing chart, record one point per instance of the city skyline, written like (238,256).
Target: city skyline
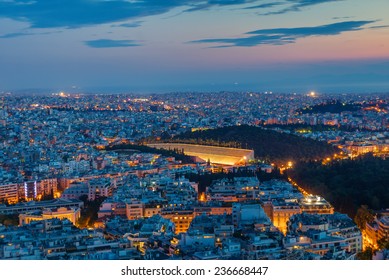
(195,45)
(248,176)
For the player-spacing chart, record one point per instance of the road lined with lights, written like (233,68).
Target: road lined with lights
(304,192)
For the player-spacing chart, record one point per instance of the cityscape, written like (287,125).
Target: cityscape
(84,180)
(211,130)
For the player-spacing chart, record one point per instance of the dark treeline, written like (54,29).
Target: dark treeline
(267,144)
(205,180)
(333,106)
(178,155)
(310,128)
(347,184)
(89,212)
(9,220)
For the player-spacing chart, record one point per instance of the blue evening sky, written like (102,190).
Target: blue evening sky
(210,45)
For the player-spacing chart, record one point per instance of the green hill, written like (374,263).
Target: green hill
(267,144)
(347,184)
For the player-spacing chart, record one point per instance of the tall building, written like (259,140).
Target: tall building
(30,190)
(48,186)
(9,193)
(281,213)
(383,228)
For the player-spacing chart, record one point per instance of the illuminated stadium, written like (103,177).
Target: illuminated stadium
(217,155)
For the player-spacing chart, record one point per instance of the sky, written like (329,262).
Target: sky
(195,45)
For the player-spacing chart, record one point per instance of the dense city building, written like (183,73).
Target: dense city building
(78,189)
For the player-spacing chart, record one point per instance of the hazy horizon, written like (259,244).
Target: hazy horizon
(202,45)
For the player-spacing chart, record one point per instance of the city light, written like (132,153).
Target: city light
(164,133)
(64,148)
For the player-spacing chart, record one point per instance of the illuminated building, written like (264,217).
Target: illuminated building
(51,239)
(112,208)
(371,233)
(25,207)
(219,225)
(359,149)
(320,234)
(383,228)
(279,190)
(72,214)
(235,190)
(221,192)
(139,231)
(177,192)
(134,210)
(212,210)
(180,217)
(218,155)
(343,226)
(101,187)
(313,204)
(47,186)
(151,211)
(281,212)
(9,193)
(30,190)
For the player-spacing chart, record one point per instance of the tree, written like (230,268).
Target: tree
(367,254)
(383,244)
(89,213)
(48,196)
(364,215)
(346,184)
(9,220)
(279,147)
